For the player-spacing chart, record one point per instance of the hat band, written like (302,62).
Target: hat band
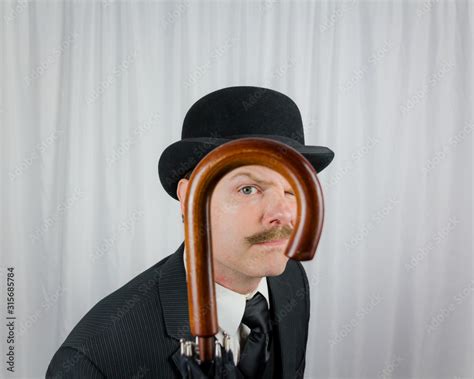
(289,141)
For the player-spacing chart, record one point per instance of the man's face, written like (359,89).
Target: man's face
(253,212)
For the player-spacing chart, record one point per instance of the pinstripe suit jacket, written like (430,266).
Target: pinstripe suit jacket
(134,332)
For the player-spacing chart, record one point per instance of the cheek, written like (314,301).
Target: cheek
(229,207)
(230,210)
(231,224)
(222,226)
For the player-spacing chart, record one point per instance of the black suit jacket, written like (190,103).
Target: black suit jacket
(134,332)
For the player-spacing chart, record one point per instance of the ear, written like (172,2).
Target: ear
(181,192)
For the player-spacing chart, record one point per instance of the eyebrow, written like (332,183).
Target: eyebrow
(248,174)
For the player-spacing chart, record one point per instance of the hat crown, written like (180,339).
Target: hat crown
(236,111)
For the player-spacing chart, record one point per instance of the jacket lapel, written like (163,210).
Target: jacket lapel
(174,301)
(174,296)
(280,295)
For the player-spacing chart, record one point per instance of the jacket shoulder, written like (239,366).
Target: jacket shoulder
(296,275)
(301,301)
(121,304)
(118,332)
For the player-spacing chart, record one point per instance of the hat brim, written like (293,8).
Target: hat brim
(182,156)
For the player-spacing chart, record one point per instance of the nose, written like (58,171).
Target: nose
(279,210)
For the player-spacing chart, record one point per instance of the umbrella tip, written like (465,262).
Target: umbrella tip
(182,346)
(226,342)
(188,348)
(217,353)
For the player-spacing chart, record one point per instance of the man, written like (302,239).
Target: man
(262,297)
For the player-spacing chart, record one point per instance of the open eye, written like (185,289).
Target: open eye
(247,190)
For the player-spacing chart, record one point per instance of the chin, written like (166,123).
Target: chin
(277,268)
(277,272)
(258,264)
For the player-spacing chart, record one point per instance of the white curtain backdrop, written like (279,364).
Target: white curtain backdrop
(92,92)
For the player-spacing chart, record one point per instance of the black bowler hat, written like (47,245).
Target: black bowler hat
(231,113)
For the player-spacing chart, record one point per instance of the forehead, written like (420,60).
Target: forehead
(263,174)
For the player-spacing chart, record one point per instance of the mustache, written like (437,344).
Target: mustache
(270,235)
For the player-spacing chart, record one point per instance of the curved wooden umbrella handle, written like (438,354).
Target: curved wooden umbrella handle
(302,244)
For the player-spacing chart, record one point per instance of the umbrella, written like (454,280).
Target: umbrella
(205,357)
(221,366)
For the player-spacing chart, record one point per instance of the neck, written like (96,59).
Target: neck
(233,280)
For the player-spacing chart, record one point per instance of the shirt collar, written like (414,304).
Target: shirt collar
(231,304)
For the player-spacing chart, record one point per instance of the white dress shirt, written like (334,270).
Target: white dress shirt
(230,311)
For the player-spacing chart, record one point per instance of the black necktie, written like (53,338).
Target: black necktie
(256,352)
